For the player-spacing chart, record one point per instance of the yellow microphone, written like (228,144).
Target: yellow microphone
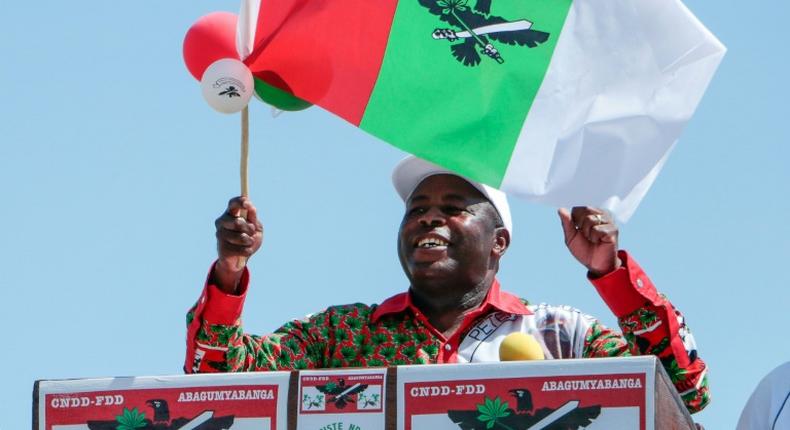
(519,347)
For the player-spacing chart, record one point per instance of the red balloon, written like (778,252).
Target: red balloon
(211,38)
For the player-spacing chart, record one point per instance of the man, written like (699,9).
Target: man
(453,234)
(768,408)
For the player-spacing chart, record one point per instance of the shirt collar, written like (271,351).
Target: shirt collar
(496,298)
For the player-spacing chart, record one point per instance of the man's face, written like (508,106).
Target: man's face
(448,234)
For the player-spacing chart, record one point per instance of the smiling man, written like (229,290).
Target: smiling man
(451,240)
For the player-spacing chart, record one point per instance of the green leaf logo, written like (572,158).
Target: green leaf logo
(452,5)
(491,411)
(130,419)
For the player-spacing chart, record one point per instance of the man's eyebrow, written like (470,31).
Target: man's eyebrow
(453,197)
(422,197)
(417,198)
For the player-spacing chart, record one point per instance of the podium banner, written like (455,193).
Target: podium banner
(342,399)
(205,402)
(593,394)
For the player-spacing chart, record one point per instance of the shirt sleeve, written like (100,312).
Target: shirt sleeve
(216,341)
(650,325)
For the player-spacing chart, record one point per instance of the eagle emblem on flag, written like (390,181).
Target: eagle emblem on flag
(475,28)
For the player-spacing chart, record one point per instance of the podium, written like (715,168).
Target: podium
(606,393)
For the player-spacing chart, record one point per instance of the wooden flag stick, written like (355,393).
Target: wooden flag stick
(245,152)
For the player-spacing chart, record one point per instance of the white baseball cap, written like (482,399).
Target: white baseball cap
(411,171)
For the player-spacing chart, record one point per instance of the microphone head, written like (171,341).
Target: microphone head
(520,346)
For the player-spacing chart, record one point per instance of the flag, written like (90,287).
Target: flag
(564,102)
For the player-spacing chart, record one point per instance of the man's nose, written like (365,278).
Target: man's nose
(431,217)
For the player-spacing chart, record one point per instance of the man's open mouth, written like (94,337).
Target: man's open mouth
(431,242)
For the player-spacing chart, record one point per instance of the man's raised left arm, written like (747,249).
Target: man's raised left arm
(650,324)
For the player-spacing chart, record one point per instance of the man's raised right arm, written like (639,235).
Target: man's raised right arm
(216,341)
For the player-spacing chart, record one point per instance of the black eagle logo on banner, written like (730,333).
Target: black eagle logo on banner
(495,414)
(162,420)
(339,393)
(475,29)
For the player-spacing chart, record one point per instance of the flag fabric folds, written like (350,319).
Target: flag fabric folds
(564,102)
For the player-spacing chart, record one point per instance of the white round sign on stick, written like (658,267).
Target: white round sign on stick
(227,85)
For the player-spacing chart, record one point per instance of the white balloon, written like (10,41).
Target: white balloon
(227,85)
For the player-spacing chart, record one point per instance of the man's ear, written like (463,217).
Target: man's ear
(501,241)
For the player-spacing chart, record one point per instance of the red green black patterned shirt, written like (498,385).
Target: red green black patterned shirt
(396,332)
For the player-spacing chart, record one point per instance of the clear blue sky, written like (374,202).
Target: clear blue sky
(112,170)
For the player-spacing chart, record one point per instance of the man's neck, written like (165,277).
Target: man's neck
(446,312)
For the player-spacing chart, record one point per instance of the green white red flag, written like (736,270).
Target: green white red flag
(565,102)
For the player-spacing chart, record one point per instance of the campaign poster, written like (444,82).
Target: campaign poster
(189,402)
(590,394)
(341,400)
